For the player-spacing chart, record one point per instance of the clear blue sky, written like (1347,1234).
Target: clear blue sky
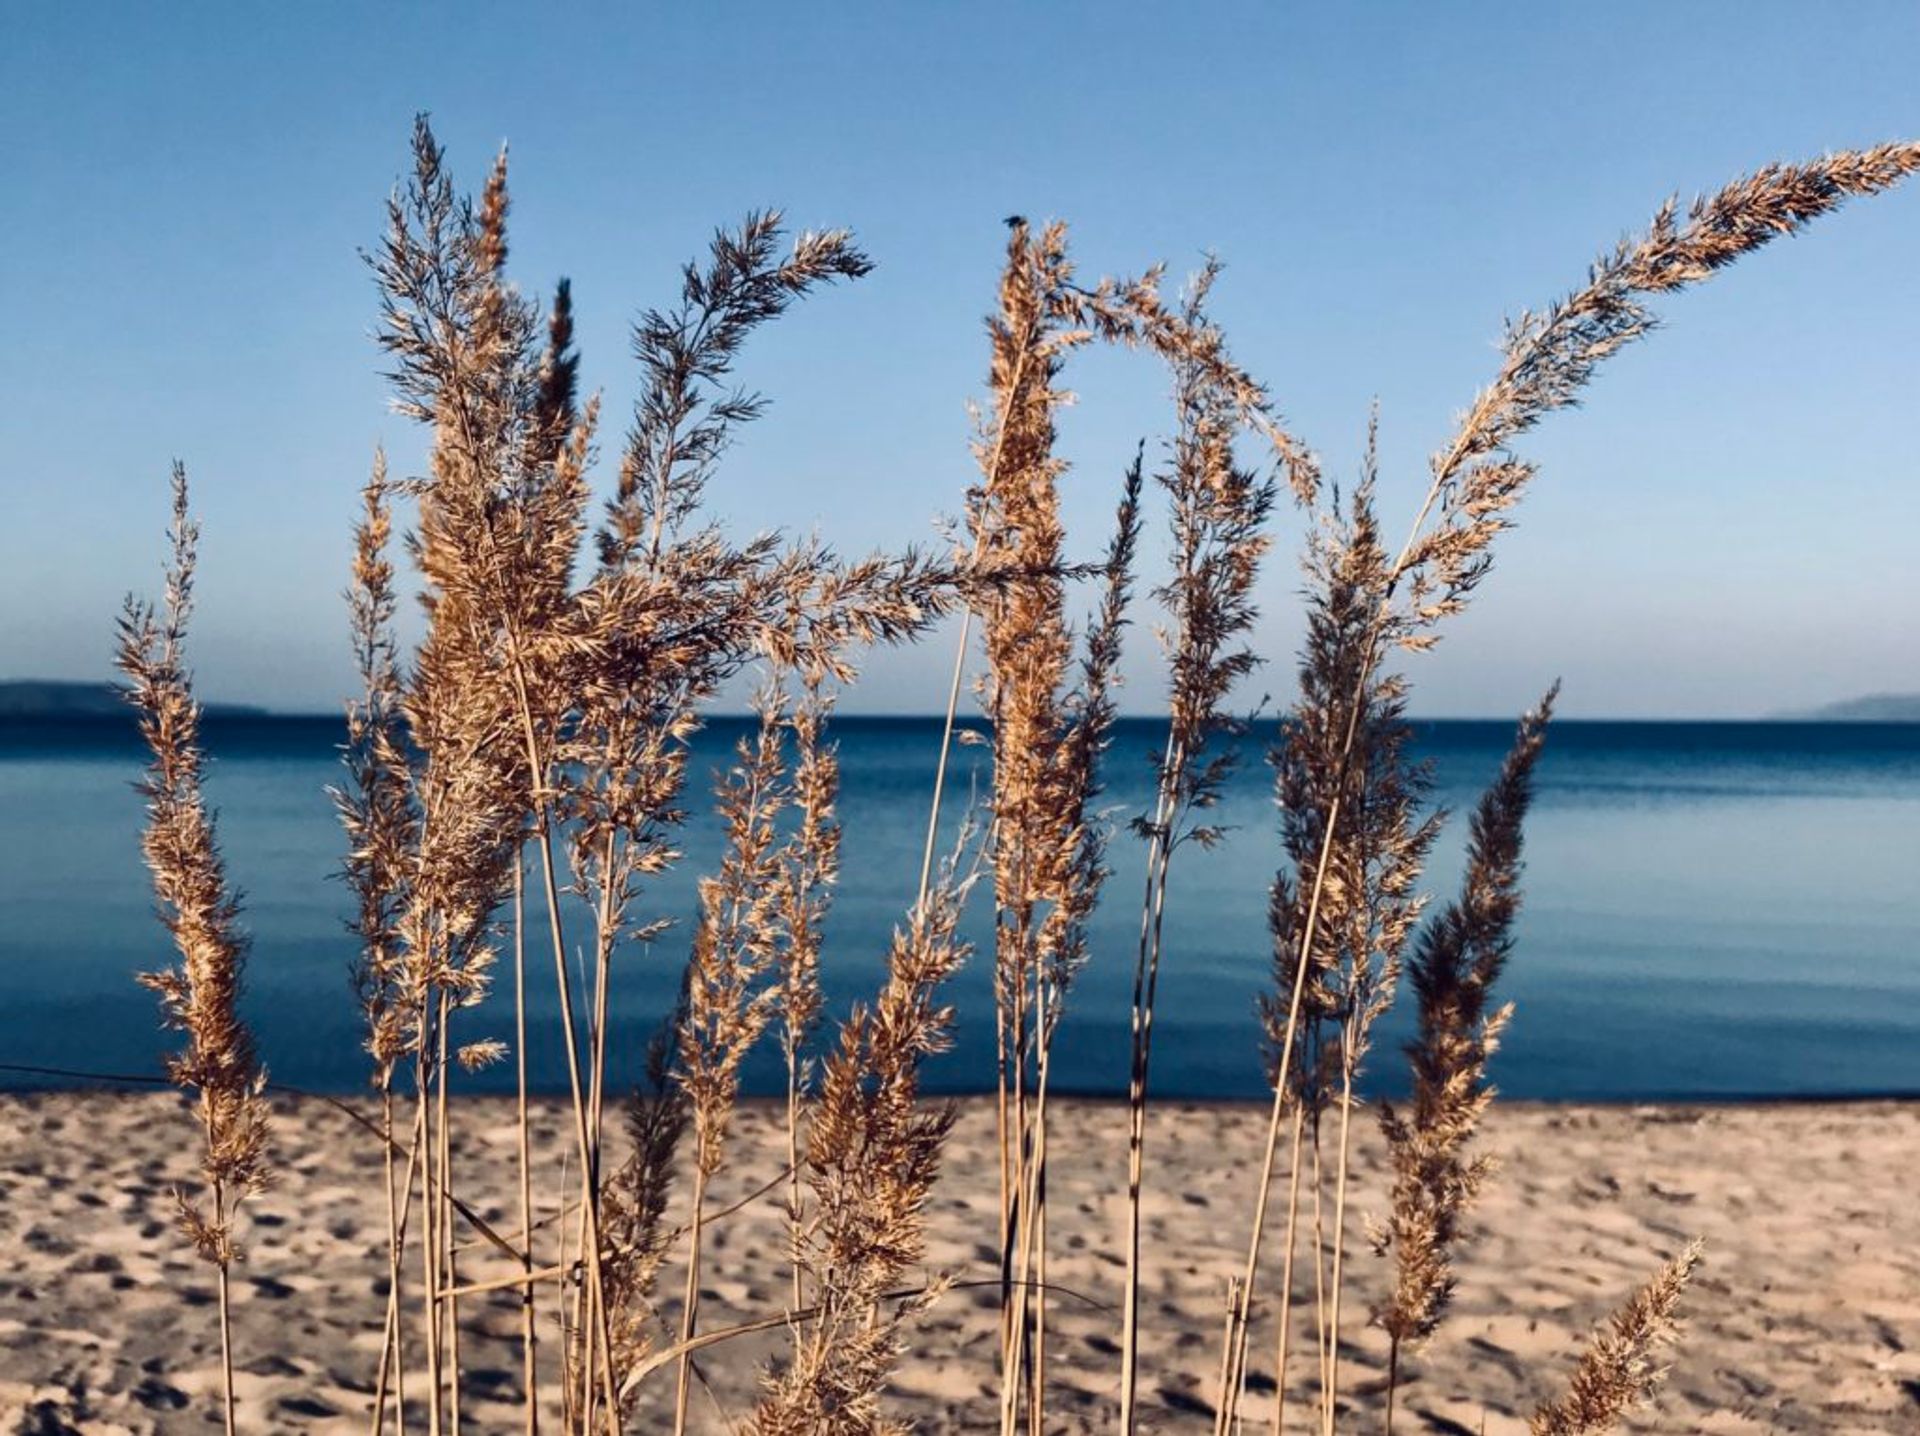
(1726,528)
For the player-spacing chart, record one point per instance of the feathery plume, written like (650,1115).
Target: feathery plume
(728,1002)
(377,808)
(1368,901)
(683,421)
(201,995)
(500,517)
(377,811)
(808,869)
(728,1005)
(1455,965)
(637,1238)
(1551,355)
(1621,1369)
(1368,868)
(1459,957)
(1045,839)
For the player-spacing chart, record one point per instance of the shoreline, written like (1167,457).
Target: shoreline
(85,1084)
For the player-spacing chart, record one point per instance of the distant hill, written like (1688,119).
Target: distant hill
(1872,708)
(45,698)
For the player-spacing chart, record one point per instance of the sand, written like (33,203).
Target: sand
(1806,1316)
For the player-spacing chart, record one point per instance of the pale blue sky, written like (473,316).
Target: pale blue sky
(1726,528)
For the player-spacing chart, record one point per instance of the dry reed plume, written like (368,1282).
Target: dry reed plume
(1621,1369)
(1047,842)
(200,996)
(567,664)
(1455,964)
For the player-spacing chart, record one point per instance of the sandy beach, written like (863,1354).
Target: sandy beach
(1806,1316)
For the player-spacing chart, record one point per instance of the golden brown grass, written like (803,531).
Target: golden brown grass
(1459,958)
(199,997)
(566,665)
(1621,1369)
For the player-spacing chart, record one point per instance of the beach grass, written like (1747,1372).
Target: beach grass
(530,756)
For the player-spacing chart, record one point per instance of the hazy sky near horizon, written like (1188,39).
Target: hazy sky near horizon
(1726,528)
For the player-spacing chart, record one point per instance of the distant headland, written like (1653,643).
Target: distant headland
(1870,708)
(53,699)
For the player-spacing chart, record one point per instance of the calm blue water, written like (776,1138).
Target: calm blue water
(1712,910)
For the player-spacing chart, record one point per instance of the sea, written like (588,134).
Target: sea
(1712,911)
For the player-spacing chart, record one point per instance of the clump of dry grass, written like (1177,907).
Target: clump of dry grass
(872,1156)
(536,702)
(1475,481)
(1050,717)
(566,667)
(200,997)
(497,516)
(671,612)
(1368,871)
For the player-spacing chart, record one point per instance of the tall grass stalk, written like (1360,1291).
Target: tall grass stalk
(1218,516)
(523,1154)
(1047,845)
(809,868)
(200,910)
(873,1152)
(377,812)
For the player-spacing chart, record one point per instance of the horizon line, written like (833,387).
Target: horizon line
(217,709)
